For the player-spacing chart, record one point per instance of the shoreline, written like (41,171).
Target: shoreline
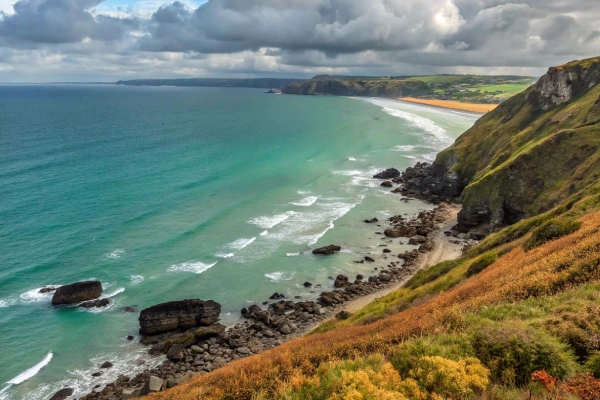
(478,108)
(201,350)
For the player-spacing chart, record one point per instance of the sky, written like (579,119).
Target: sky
(109,40)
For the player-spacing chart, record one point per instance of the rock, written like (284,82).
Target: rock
(175,352)
(387,174)
(277,296)
(77,292)
(404,231)
(153,384)
(369,259)
(387,251)
(387,184)
(427,246)
(62,394)
(341,281)
(128,391)
(106,364)
(359,277)
(47,289)
(130,338)
(128,309)
(243,350)
(343,315)
(371,221)
(285,329)
(417,240)
(307,284)
(97,374)
(95,304)
(327,250)
(182,314)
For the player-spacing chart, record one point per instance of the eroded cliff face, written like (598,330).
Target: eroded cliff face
(357,87)
(535,150)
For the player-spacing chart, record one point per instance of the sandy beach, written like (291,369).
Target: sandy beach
(455,105)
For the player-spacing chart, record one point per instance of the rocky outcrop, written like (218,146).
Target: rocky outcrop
(62,394)
(341,281)
(356,87)
(387,174)
(327,250)
(178,315)
(77,292)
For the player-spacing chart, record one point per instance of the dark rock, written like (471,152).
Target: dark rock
(387,174)
(387,184)
(369,259)
(327,250)
(153,384)
(417,240)
(128,309)
(307,284)
(387,251)
(47,289)
(77,292)
(359,277)
(175,352)
(341,281)
(371,221)
(182,314)
(62,394)
(404,231)
(97,374)
(106,364)
(277,296)
(95,304)
(130,338)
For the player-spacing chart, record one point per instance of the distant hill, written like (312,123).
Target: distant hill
(469,88)
(259,83)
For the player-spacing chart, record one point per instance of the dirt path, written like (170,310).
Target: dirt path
(444,250)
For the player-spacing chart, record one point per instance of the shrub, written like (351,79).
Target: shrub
(425,276)
(551,230)
(482,263)
(593,365)
(513,353)
(452,379)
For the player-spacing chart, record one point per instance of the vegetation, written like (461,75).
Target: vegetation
(467,88)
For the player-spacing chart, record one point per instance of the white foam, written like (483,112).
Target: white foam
(136,279)
(116,292)
(306,202)
(405,148)
(224,255)
(241,243)
(7,303)
(195,267)
(31,372)
(264,233)
(34,295)
(280,276)
(267,222)
(116,254)
(353,172)
(293,254)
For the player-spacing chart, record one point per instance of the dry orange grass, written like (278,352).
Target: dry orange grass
(548,269)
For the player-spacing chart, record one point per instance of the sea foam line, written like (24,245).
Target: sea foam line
(241,243)
(267,222)
(195,267)
(31,372)
(306,202)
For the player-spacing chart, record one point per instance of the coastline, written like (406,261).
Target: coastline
(454,105)
(283,320)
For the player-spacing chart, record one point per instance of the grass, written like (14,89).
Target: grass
(504,90)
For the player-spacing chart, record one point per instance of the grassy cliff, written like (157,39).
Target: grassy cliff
(533,152)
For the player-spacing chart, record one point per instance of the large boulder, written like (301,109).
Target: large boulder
(77,292)
(327,250)
(389,173)
(184,314)
(62,394)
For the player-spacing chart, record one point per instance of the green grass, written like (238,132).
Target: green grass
(507,89)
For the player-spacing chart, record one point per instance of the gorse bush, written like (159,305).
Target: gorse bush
(551,230)
(482,263)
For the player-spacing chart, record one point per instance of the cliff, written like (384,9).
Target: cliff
(359,87)
(528,155)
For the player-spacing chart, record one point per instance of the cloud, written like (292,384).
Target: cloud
(152,38)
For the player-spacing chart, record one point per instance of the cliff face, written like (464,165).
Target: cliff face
(358,87)
(530,154)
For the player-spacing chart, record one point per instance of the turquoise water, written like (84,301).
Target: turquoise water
(172,193)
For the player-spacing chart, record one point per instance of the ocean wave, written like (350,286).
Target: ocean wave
(280,276)
(7,303)
(293,254)
(264,233)
(34,295)
(113,294)
(306,202)
(136,279)
(195,267)
(353,172)
(241,243)
(31,372)
(405,148)
(224,255)
(116,254)
(267,222)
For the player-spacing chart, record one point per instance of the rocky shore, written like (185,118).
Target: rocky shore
(189,336)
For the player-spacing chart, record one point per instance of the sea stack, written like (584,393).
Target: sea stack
(77,292)
(183,314)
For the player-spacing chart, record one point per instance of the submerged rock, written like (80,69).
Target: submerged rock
(327,250)
(182,314)
(62,394)
(77,292)
(48,289)
(387,174)
(95,304)
(371,221)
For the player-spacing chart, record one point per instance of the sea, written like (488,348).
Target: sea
(168,193)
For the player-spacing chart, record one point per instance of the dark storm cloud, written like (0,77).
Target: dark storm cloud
(59,21)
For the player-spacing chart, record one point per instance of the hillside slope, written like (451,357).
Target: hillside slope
(529,154)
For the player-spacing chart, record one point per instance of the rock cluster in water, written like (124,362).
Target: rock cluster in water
(184,314)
